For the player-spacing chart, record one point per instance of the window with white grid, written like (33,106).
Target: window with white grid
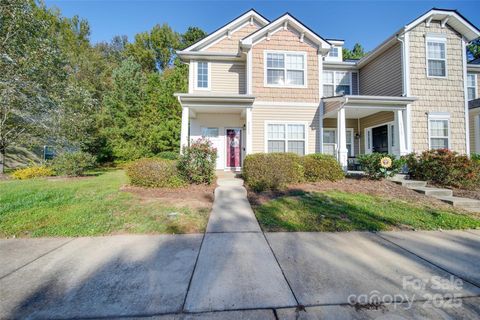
(202,75)
(439,131)
(436,57)
(336,83)
(472,86)
(286,137)
(285,69)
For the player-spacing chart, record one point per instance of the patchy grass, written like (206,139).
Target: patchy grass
(90,206)
(335,210)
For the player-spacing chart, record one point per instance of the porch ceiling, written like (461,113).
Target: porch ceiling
(362,106)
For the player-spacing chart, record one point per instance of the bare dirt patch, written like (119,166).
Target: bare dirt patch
(193,196)
(382,188)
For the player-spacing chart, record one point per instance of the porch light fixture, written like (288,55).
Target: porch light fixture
(358,135)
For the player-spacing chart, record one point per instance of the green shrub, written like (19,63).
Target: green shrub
(444,167)
(154,173)
(34,171)
(169,155)
(379,165)
(320,167)
(475,157)
(197,162)
(73,163)
(263,171)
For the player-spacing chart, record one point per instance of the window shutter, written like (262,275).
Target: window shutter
(355,83)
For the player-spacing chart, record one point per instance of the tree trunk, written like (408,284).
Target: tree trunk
(2,160)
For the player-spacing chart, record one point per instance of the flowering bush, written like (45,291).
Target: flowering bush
(444,167)
(379,165)
(197,162)
(34,171)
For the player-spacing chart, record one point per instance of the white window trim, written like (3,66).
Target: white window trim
(370,130)
(195,78)
(265,131)
(438,39)
(334,81)
(475,85)
(305,69)
(439,116)
(351,131)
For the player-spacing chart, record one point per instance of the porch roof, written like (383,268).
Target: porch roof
(215,103)
(362,105)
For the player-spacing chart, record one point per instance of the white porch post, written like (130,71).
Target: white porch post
(248,134)
(401,135)
(342,151)
(184,129)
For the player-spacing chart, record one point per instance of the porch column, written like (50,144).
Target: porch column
(248,134)
(342,151)
(400,136)
(184,129)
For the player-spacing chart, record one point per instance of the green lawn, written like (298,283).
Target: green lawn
(87,206)
(341,211)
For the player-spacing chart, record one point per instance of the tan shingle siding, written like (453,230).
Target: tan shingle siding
(261,115)
(227,77)
(383,75)
(232,45)
(285,40)
(437,94)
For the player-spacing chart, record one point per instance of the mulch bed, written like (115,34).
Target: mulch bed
(194,196)
(472,194)
(382,188)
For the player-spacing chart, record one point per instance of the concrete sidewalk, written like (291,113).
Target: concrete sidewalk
(235,271)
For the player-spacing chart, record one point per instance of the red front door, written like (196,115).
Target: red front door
(234,144)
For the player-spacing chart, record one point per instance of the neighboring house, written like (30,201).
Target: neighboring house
(277,86)
(473,89)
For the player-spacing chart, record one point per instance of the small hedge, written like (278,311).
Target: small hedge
(73,164)
(154,173)
(263,171)
(444,167)
(170,155)
(33,172)
(320,167)
(379,165)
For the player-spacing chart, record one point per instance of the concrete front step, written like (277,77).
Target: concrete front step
(410,183)
(433,192)
(461,202)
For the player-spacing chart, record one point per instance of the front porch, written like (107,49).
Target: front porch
(226,120)
(354,125)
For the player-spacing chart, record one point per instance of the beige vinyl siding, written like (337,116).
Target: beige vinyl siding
(261,115)
(474,125)
(227,77)
(231,45)
(383,75)
(285,40)
(437,94)
(350,123)
(373,120)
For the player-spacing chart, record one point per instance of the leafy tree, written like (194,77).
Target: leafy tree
(473,49)
(192,35)
(32,74)
(356,53)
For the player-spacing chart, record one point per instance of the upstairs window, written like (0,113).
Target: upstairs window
(336,83)
(202,75)
(472,86)
(285,69)
(436,57)
(333,52)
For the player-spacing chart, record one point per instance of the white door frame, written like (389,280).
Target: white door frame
(389,133)
(242,143)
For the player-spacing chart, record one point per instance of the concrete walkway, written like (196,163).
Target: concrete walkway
(235,271)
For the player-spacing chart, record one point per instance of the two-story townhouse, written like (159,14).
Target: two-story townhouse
(277,86)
